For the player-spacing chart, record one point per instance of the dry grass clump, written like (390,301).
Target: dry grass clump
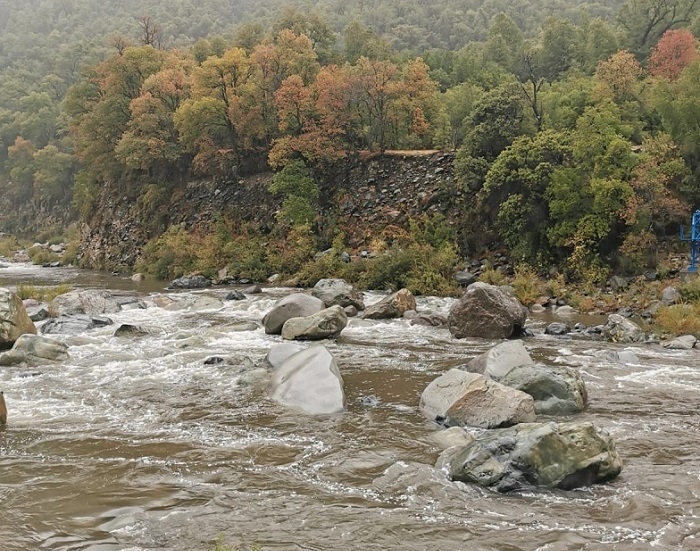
(42,293)
(678,319)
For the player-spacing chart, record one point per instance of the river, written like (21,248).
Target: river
(135,444)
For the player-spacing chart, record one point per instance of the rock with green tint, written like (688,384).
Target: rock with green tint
(550,455)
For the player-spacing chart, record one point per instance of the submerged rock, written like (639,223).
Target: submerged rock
(550,455)
(69,324)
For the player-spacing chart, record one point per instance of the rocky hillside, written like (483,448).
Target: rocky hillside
(365,195)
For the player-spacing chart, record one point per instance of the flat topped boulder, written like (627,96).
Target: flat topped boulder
(14,320)
(296,305)
(486,311)
(550,455)
(93,302)
(309,381)
(393,306)
(460,398)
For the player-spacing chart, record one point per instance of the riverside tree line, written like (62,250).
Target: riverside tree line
(578,141)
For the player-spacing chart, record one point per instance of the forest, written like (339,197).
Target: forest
(576,125)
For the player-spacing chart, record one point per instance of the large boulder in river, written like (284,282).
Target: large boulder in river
(325,324)
(296,305)
(69,324)
(486,311)
(93,302)
(34,350)
(338,291)
(310,381)
(496,362)
(550,455)
(460,398)
(556,390)
(393,306)
(14,320)
(621,329)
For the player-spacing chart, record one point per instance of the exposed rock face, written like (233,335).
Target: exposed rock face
(325,324)
(338,291)
(34,350)
(684,342)
(90,302)
(621,329)
(68,324)
(551,455)
(14,320)
(556,390)
(460,398)
(499,360)
(393,306)
(296,305)
(486,311)
(310,381)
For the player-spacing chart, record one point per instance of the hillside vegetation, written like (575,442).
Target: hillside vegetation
(576,132)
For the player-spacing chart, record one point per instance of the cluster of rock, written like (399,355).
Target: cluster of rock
(504,390)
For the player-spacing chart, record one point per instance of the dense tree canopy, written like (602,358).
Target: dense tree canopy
(559,112)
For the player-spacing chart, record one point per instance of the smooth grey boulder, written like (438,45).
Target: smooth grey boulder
(296,305)
(393,306)
(93,302)
(550,455)
(499,360)
(465,278)
(280,352)
(338,291)
(326,324)
(14,320)
(34,350)
(621,329)
(460,398)
(70,324)
(486,311)
(556,390)
(309,381)
(684,342)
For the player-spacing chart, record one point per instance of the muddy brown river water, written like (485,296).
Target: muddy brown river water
(135,444)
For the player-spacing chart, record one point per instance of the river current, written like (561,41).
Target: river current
(134,443)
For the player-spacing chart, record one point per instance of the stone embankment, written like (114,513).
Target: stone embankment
(363,195)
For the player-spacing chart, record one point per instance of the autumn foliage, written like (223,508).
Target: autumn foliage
(673,53)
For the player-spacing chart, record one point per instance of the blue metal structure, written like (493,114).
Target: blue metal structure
(694,241)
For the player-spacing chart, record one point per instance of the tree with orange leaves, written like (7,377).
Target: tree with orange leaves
(673,53)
